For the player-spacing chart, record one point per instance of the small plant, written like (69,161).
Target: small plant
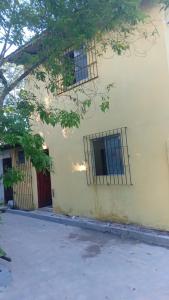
(2,253)
(11,176)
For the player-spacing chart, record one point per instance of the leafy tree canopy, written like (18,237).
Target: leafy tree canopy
(36,33)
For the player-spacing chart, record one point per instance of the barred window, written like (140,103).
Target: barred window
(107,157)
(80,67)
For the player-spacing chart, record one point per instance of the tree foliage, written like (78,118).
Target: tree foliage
(53,26)
(34,34)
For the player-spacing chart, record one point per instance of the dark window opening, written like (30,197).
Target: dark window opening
(80,59)
(76,68)
(21,157)
(69,71)
(108,155)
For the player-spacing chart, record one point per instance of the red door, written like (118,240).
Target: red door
(44,189)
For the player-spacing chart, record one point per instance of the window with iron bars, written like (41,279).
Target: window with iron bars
(80,66)
(107,157)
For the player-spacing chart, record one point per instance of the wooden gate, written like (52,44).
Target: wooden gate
(23,192)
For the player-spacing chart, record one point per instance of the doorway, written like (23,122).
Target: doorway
(44,188)
(8,192)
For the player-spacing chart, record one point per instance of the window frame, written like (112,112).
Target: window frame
(112,168)
(117,178)
(92,69)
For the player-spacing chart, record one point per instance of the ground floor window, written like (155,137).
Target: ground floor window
(107,157)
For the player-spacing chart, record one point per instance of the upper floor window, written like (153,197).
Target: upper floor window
(107,157)
(80,66)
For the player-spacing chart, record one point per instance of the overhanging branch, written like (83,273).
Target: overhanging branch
(3,79)
(13,85)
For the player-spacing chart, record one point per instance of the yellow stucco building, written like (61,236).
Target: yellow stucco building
(116,165)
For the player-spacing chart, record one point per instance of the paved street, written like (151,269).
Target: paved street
(58,262)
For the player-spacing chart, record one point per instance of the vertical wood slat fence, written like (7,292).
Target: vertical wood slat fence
(23,191)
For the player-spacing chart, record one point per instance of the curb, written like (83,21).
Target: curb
(148,236)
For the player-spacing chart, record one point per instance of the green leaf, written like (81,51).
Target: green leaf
(105,106)
(11,176)
(2,252)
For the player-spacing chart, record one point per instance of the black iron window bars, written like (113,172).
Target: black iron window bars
(107,157)
(81,67)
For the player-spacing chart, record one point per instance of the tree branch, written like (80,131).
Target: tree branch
(3,79)
(28,71)
(4,48)
(26,48)
(5,43)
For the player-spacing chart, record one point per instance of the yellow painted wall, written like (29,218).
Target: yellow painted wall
(140,101)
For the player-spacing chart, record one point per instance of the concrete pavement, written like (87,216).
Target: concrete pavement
(124,231)
(59,262)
